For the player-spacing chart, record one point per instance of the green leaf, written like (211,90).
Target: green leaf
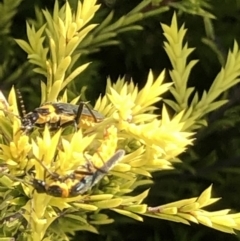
(105,204)
(129,214)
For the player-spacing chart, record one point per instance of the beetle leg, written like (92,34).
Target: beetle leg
(80,111)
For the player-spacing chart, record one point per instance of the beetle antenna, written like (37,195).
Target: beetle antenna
(22,108)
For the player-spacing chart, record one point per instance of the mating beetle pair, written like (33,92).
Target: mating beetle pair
(71,185)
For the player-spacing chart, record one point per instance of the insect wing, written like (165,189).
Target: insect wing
(101,172)
(89,181)
(65,108)
(82,186)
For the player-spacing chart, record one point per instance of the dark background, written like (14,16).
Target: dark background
(215,157)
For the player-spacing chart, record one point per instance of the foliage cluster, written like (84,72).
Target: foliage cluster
(59,45)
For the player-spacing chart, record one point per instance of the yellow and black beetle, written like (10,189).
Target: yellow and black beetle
(58,115)
(55,115)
